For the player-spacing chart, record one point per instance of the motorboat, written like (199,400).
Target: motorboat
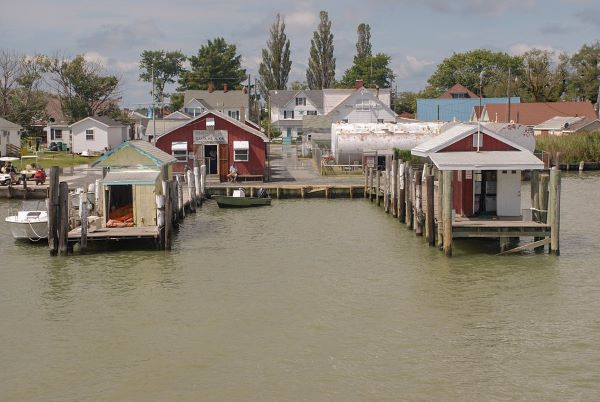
(29,225)
(239,199)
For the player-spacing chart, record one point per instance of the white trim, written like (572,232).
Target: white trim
(241,145)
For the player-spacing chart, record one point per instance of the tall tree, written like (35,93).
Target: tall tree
(373,70)
(162,67)
(275,67)
(83,88)
(321,63)
(216,62)
(585,70)
(363,44)
(541,80)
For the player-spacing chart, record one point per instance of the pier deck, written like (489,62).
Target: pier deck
(146,232)
(498,227)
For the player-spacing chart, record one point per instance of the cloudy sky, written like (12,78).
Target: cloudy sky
(416,34)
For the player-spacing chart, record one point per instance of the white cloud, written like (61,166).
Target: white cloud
(302,19)
(519,48)
(97,58)
(410,66)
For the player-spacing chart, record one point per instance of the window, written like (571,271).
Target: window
(379,120)
(234,114)
(344,120)
(477,137)
(179,151)
(288,114)
(210,122)
(89,135)
(311,112)
(240,151)
(459,95)
(300,101)
(57,135)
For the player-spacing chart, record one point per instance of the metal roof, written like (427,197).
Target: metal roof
(218,99)
(146,148)
(7,125)
(558,123)
(486,160)
(124,177)
(107,121)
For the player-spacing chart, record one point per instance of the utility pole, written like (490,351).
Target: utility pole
(508,93)
(480,111)
(153,109)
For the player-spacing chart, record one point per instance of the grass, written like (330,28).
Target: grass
(56,158)
(573,148)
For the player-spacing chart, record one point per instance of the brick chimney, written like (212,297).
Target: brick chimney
(225,87)
(210,87)
(358,84)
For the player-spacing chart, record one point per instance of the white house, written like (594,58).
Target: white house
(363,106)
(97,134)
(58,133)
(288,108)
(10,139)
(234,104)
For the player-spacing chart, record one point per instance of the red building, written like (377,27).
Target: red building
(486,163)
(220,141)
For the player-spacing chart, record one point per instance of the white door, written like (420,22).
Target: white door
(508,193)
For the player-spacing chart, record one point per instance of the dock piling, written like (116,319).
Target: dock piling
(53,208)
(447,212)
(63,207)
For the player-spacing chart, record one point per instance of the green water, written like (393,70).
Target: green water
(305,301)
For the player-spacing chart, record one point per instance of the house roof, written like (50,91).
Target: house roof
(517,136)
(281,97)
(581,124)
(177,115)
(104,120)
(7,125)
(163,126)
(218,99)
(362,91)
(144,147)
(224,117)
(120,177)
(486,160)
(457,89)
(536,113)
(557,123)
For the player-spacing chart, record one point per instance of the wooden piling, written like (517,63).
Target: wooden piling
(168,215)
(191,190)
(53,209)
(440,203)
(378,188)
(394,185)
(386,191)
(409,198)
(418,204)
(63,207)
(534,192)
(429,216)
(203,181)
(554,211)
(83,217)
(543,197)
(402,192)
(447,238)
(366,181)
(371,178)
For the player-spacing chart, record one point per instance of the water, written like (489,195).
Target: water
(306,300)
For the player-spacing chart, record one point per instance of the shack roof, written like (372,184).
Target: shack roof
(145,148)
(486,160)
(7,125)
(536,113)
(218,99)
(120,177)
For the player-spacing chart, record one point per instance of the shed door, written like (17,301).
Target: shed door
(223,161)
(509,193)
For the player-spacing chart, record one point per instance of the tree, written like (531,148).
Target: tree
(541,81)
(162,67)
(363,44)
(216,62)
(321,63)
(82,87)
(584,72)
(176,101)
(374,71)
(406,102)
(465,68)
(298,85)
(275,67)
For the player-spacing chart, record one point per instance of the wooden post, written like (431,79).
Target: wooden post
(83,217)
(277,192)
(179,192)
(191,190)
(160,217)
(581,166)
(24,186)
(302,192)
(430,219)
(447,213)
(535,197)
(402,192)
(440,203)
(63,228)
(371,172)
(53,210)
(378,187)
(418,204)
(394,199)
(554,211)
(203,181)
(386,191)
(367,170)
(543,197)
(409,198)
(168,215)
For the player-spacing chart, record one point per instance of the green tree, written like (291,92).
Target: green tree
(465,68)
(275,67)
(406,102)
(162,67)
(321,63)
(541,80)
(298,85)
(216,62)
(82,87)
(176,101)
(363,44)
(374,70)
(584,66)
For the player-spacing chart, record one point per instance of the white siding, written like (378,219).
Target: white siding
(104,137)
(13,138)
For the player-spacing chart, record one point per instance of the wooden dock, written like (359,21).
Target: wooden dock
(128,233)
(286,191)
(25,192)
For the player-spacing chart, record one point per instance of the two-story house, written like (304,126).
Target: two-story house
(234,104)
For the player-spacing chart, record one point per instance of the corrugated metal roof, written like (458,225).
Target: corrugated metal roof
(490,160)
(557,123)
(121,177)
(218,99)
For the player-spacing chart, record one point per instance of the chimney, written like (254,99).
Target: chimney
(225,87)
(210,87)
(358,84)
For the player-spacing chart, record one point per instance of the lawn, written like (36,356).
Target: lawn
(56,158)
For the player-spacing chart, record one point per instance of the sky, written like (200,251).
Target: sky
(416,34)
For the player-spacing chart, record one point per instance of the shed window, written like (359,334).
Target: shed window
(180,151)
(89,135)
(288,114)
(477,137)
(240,151)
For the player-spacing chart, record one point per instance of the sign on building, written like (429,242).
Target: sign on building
(207,137)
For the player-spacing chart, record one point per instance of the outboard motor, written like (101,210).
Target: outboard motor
(262,193)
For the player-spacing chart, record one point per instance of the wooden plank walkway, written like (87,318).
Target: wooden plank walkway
(133,232)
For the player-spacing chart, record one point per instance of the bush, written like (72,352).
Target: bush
(573,148)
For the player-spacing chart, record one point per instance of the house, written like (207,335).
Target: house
(349,141)
(136,170)
(97,134)
(359,105)
(10,138)
(486,162)
(177,115)
(458,91)
(158,127)
(220,141)
(531,114)
(232,103)
(567,125)
(60,134)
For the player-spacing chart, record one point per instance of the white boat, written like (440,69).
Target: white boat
(29,225)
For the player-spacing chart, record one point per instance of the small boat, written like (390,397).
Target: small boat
(239,199)
(29,225)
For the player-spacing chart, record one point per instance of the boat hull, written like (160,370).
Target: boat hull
(241,202)
(28,225)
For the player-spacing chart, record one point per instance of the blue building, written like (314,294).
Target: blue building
(454,108)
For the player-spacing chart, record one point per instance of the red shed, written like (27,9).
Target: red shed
(221,141)
(486,162)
